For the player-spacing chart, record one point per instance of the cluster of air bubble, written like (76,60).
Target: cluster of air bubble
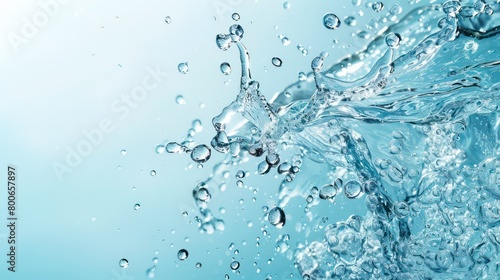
(432,192)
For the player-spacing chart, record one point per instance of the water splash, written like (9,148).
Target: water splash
(432,194)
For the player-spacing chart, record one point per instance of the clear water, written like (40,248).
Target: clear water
(407,128)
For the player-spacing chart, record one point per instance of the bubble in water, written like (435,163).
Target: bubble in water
(393,40)
(351,21)
(123,263)
(276,61)
(356,2)
(182,254)
(168,19)
(160,149)
(235,265)
(225,68)
(173,147)
(328,191)
(137,206)
(378,6)
(123,152)
(183,67)
(352,189)
(179,99)
(277,217)
(201,153)
(302,76)
(235,16)
(198,265)
(287,5)
(331,21)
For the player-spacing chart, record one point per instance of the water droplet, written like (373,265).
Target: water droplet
(155,260)
(196,125)
(331,21)
(160,149)
(123,263)
(179,99)
(201,154)
(237,32)
(276,61)
(329,191)
(225,68)
(302,76)
(451,7)
(137,206)
(356,2)
(123,152)
(378,6)
(182,254)
(153,173)
(183,67)
(393,40)
(277,217)
(223,41)
(168,19)
(198,265)
(287,5)
(285,41)
(352,189)
(235,16)
(235,265)
(351,21)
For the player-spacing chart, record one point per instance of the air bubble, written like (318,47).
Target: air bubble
(223,41)
(168,19)
(352,189)
(137,206)
(152,173)
(235,16)
(331,21)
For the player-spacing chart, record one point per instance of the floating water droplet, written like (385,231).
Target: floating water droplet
(378,6)
(152,173)
(287,5)
(137,206)
(182,254)
(179,99)
(201,153)
(276,61)
(223,41)
(155,260)
(285,41)
(352,189)
(123,152)
(198,265)
(196,125)
(395,9)
(123,263)
(168,19)
(183,67)
(331,21)
(235,16)
(356,2)
(234,265)
(393,40)
(160,149)
(202,194)
(236,31)
(277,217)
(350,20)
(225,68)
